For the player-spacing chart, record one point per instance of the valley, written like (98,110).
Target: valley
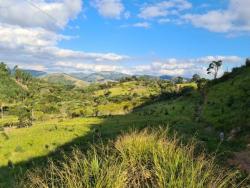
(48,120)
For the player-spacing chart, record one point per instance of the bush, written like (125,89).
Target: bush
(187,90)
(139,159)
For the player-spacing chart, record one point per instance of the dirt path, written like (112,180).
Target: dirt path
(200,107)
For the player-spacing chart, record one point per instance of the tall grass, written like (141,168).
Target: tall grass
(139,159)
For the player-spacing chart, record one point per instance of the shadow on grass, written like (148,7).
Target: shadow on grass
(110,128)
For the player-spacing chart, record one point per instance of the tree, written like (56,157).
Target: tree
(4,69)
(195,78)
(24,116)
(21,76)
(248,62)
(214,68)
(179,80)
(201,83)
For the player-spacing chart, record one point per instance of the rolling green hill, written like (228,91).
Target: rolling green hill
(102,76)
(64,117)
(227,101)
(64,79)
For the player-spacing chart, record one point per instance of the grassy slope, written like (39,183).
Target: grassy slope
(22,144)
(178,113)
(64,79)
(9,88)
(130,87)
(227,104)
(140,159)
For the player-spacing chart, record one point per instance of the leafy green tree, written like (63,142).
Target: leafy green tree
(24,116)
(195,78)
(201,83)
(4,69)
(179,80)
(21,76)
(214,67)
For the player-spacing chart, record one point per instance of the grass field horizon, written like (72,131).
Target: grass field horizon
(53,137)
(124,94)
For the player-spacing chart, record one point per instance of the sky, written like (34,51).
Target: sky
(156,37)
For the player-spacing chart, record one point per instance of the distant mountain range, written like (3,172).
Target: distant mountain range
(35,73)
(81,79)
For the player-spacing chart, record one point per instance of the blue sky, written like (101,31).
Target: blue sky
(177,37)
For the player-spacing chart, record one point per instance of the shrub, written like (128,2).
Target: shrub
(187,90)
(139,159)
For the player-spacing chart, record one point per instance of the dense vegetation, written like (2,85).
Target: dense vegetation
(144,159)
(40,119)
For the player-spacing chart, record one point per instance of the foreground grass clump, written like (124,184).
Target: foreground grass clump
(139,159)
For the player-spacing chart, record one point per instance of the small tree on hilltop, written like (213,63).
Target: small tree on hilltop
(214,68)
(179,80)
(196,78)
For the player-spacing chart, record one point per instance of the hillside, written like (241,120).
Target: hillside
(102,76)
(227,101)
(64,79)
(64,117)
(9,88)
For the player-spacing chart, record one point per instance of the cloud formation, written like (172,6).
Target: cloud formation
(110,8)
(49,15)
(30,38)
(235,18)
(182,67)
(163,9)
(142,24)
(33,42)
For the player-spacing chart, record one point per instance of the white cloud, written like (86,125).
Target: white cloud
(110,8)
(164,20)
(14,36)
(33,43)
(33,67)
(182,67)
(89,67)
(236,18)
(164,8)
(37,48)
(39,13)
(141,24)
